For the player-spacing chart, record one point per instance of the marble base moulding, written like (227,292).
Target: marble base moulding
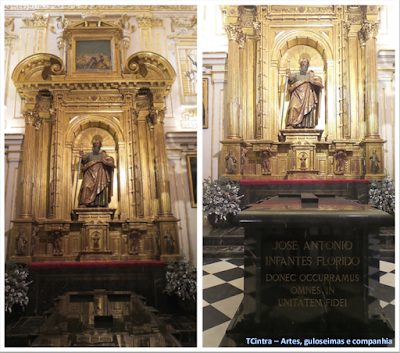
(306,272)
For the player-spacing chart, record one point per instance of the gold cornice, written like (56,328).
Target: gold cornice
(35,21)
(112,8)
(149,21)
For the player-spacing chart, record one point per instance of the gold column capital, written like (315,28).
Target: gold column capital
(242,40)
(32,118)
(361,38)
(346,28)
(257,29)
(370,29)
(135,115)
(157,116)
(233,32)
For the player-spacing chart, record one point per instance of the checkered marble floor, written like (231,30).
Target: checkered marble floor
(223,292)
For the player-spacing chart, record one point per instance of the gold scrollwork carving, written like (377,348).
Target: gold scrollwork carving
(35,21)
(9,20)
(186,23)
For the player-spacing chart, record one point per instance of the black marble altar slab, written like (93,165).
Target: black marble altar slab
(50,282)
(306,270)
(255,190)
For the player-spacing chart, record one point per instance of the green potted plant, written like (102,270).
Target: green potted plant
(382,194)
(220,200)
(181,278)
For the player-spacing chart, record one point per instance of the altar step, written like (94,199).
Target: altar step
(223,242)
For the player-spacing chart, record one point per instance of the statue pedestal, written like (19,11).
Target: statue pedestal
(99,213)
(96,233)
(303,175)
(295,135)
(95,255)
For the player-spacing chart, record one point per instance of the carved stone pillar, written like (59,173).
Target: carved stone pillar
(161,166)
(33,123)
(234,32)
(369,30)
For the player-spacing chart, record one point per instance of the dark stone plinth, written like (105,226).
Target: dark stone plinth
(255,190)
(306,271)
(48,283)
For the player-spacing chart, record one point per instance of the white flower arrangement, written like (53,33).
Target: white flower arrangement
(181,279)
(382,194)
(220,198)
(15,286)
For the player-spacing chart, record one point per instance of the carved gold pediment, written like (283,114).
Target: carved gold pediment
(149,66)
(37,68)
(86,24)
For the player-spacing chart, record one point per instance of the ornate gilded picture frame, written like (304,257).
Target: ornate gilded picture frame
(93,55)
(205,103)
(94,49)
(191,161)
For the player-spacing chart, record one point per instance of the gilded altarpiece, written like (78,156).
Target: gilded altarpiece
(340,44)
(94,96)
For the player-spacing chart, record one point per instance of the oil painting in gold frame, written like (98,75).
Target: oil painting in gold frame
(93,55)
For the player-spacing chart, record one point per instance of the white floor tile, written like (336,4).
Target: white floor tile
(205,303)
(388,279)
(383,303)
(211,281)
(218,267)
(214,336)
(386,266)
(392,302)
(238,283)
(229,306)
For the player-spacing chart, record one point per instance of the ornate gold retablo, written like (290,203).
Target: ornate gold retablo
(302,68)
(98,121)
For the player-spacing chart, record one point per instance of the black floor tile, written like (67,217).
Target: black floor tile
(213,317)
(230,275)
(237,262)
(220,292)
(205,273)
(207,261)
